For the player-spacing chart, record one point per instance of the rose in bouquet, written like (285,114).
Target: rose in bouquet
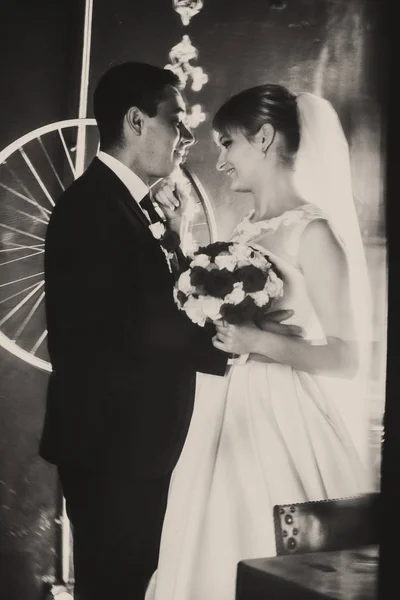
(229,281)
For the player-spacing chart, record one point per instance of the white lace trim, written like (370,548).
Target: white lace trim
(246,231)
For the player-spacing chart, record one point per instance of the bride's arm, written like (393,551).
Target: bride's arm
(177,205)
(324,266)
(336,358)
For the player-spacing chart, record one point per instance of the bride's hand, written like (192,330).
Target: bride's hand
(173,197)
(236,339)
(244,339)
(173,194)
(167,198)
(165,195)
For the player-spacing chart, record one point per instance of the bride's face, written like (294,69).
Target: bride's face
(239,159)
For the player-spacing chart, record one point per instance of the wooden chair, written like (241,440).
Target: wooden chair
(327,525)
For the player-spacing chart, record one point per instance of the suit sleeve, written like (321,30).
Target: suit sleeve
(109,298)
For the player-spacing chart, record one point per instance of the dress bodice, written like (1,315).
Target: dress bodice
(280,238)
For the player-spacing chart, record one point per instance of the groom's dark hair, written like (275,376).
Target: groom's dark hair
(123,86)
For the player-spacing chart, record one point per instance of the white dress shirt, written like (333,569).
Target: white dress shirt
(135,185)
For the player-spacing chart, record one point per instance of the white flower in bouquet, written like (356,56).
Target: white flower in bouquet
(274,285)
(184,284)
(260,298)
(200,260)
(241,253)
(194,311)
(211,307)
(260,262)
(226,261)
(237,295)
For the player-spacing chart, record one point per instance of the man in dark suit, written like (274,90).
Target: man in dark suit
(124,359)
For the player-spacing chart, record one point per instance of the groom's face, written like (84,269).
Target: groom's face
(166,138)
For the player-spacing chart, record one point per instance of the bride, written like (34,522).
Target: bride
(289,424)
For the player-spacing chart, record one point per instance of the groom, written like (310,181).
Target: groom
(124,359)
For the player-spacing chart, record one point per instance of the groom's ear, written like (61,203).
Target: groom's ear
(134,119)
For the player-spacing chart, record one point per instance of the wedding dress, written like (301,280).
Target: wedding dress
(264,434)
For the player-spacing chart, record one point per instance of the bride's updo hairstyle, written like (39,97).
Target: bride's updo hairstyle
(250,109)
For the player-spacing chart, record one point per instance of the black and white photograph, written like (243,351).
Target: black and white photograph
(197,392)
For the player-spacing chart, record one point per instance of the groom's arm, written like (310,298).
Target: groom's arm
(206,358)
(177,206)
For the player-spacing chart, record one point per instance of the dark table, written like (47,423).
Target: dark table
(342,575)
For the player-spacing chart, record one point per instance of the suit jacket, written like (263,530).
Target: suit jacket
(124,357)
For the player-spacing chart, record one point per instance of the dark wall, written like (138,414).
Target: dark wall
(331,45)
(40,57)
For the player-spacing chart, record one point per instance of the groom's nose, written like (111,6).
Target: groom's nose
(187,137)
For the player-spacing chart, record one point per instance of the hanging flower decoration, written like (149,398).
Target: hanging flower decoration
(195,116)
(182,55)
(187,9)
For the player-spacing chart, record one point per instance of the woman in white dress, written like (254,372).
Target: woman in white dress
(289,425)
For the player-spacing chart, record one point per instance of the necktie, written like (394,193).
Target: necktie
(148,206)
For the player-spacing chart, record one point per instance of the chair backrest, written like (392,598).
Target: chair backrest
(325,525)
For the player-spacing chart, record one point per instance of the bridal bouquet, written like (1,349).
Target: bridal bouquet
(229,281)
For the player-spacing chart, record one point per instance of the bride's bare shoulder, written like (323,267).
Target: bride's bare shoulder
(319,244)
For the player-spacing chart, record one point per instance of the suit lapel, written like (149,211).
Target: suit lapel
(117,188)
(134,207)
(114,186)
